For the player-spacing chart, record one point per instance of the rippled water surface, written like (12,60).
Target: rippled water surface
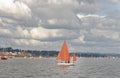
(47,68)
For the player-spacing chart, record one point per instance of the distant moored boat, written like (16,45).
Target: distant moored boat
(3,57)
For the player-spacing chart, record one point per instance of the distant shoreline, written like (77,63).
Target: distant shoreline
(51,53)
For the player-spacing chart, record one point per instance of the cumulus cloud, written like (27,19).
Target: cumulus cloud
(41,33)
(5,32)
(80,39)
(27,42)
(14,9)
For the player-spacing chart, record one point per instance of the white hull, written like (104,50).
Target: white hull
(65,64)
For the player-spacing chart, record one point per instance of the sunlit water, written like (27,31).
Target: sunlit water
(47,68)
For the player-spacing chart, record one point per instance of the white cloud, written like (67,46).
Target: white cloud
(5,32)
(58,21)
(27,42)
(20,32)
(61,1)
(15,9)
(80,40)
(41,33)
(52,21)
(35,33)
(89,16)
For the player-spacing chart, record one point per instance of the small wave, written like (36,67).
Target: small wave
(81,77)
(28,76)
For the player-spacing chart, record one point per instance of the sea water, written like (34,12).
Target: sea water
(48,68)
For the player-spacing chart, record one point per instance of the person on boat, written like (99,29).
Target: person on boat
(68,61)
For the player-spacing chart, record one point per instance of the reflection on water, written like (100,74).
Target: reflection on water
(63,67)
(48,68)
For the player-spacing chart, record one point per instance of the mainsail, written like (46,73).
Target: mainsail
(63,55)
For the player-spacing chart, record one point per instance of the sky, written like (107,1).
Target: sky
(86,25)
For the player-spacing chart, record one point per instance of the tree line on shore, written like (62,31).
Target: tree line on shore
(54,53)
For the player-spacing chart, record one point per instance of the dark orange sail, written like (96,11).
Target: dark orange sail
(74,57)
(63,54)
(59,56)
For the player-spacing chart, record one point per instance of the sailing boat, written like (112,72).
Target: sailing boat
(64,56)
(3,57)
